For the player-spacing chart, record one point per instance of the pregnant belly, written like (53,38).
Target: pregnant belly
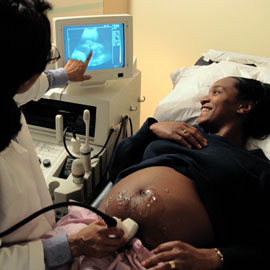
(164,203)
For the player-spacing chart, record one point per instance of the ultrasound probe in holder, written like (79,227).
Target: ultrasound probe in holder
(85,150)
(77,171)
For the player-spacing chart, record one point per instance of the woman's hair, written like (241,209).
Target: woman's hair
(256,124)
(25,50)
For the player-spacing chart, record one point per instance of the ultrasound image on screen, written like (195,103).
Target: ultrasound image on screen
(106,41)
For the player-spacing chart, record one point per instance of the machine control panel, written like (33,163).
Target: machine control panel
(49,154)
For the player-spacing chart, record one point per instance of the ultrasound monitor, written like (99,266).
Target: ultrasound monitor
(110,38)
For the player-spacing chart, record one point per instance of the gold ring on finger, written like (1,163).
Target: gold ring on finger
(184,131)
(172,264)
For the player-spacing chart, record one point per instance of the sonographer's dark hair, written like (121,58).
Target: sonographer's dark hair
(256,124)
(25,50)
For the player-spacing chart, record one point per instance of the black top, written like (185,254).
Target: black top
(233,184)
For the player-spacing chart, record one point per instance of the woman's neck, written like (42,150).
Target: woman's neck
(234,135)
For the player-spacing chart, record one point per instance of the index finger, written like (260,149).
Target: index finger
(166,246)
(88,58)
(158,260)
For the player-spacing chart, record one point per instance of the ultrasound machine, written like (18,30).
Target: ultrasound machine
(96,114)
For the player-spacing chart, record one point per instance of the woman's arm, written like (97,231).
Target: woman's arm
(130,150)
(59,250)
(185,256)
(73,70)
(180,132)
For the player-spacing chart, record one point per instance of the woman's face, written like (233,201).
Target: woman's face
(220,107)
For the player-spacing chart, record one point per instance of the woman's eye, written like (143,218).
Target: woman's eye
(216,92)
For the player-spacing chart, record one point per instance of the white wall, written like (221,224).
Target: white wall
(76,8)
(62,8)
(116,6)
(173,33)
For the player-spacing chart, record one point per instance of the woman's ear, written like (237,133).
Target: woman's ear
(245,107)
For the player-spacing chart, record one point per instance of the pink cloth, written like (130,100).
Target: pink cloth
(129,259)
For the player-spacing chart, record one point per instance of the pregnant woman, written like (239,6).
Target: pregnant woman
(199,197)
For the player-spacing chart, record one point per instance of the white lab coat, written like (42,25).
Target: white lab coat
(23,191)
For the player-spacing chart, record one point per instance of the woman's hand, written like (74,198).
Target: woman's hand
(181,132)
(75,69)
(180,255)
(96,240)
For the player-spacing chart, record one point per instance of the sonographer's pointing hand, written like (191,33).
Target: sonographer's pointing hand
(76,69)
(95,240)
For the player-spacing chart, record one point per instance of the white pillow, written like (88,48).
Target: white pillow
(218,56)
(191,84)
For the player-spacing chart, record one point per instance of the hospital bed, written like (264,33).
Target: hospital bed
(190,84)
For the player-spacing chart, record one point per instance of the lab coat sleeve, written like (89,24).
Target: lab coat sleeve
(24,257)
(35,92)
(56,251)
(56,77)
(130,151)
